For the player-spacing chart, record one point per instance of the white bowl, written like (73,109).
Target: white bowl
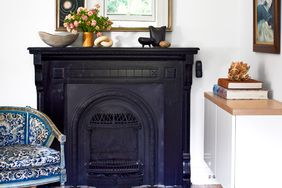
(57,40)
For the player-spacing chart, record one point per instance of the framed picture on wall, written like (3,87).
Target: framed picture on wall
(135,15)
(266,26)
(63,8)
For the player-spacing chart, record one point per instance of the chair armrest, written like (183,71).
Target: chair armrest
(62,139)
(55,131)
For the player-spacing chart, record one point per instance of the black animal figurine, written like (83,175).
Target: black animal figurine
(156,36)
(145,41)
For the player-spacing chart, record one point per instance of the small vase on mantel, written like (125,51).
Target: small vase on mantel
(88,39)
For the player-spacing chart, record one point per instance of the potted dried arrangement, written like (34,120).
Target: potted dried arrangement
(89,22)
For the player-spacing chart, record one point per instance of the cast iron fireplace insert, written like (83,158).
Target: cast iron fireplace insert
(125,112)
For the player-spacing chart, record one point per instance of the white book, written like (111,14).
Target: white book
(241,93)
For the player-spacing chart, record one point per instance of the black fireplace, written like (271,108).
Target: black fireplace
(125,112)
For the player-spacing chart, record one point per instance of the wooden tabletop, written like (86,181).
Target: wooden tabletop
(247,107)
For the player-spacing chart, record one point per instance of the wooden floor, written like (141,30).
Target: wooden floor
(206,186)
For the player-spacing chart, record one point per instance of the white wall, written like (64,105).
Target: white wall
(264,66)
(20,21)
(210,25)
(222,29)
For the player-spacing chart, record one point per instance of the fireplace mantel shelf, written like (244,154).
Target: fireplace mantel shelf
(113,53)
(122,50)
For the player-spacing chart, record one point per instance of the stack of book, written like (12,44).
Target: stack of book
(249,89)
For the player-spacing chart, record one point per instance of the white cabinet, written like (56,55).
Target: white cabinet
(219,143)
(210,134)
(243,142)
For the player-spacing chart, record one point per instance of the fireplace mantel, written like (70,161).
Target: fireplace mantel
(115,51)
(156,79)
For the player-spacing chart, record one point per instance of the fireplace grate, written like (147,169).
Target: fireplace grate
(115,167)
(114,120)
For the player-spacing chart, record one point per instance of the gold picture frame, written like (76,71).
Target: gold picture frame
(62,11)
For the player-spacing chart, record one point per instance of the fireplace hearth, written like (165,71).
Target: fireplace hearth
(125,111)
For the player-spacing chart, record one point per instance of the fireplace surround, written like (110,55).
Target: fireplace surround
(125,112)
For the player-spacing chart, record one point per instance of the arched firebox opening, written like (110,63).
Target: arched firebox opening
(116,140)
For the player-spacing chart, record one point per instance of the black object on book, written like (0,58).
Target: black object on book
(199,69)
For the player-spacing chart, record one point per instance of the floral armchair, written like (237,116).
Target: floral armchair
(25,156)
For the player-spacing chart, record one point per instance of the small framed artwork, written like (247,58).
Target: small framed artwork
(266,26)
(63,8)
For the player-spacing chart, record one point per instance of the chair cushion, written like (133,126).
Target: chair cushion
(27,156)
(36,173)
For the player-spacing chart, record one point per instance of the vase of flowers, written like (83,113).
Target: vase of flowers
(89,22)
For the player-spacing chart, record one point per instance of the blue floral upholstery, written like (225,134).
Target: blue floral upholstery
(12,128)
(25,156)
(38,131)
(12,176)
